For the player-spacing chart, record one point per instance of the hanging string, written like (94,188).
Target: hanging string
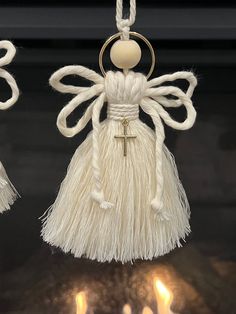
(122,24)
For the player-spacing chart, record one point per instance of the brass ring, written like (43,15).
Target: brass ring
(113,37)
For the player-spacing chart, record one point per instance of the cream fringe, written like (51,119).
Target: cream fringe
(8,193)
(130,230)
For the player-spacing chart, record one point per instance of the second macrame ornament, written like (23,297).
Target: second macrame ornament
(8,193)
(121,198)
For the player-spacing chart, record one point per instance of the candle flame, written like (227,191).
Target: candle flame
(81,303)
(164,297)
(147,310)
(127,309)
(163,292)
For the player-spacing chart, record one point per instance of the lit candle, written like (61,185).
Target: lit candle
(127,309)
(163,296)
(147,310)
(81,303)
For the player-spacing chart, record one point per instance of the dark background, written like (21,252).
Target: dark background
(197,35)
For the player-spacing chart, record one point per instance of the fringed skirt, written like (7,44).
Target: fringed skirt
(8,193)
(129,230)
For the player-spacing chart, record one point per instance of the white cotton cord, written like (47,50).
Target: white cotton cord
(98,194)
(157,201)
(124,93)
(155,110)
(6,59)
(84,93)
(151,200)
(55,79)
(180,75)
(123,111)
(123,25)
(10,52)
(183,99)
(74,103)
(8,193)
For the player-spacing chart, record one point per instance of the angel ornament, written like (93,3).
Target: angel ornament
(8,193)
(121,198)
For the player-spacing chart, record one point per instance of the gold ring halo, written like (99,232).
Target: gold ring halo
(134,34)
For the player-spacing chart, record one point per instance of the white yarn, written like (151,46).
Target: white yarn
(8,193)
(98,194)
(129,230)
(123,25)
(148,209)
(123,111)
(6,59)
(128,91)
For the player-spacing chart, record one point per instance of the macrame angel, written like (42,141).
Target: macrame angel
(121,198)
(115,207)
(8,193)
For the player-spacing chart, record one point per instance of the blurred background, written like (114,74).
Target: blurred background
(186,35)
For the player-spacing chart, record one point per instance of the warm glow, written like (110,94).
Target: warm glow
(164,297)
(147,310)
(81,303)
(163,292)
(127,309)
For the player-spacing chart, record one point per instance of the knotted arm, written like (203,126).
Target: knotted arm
(153,102)
(93,111)
(6,59)
(97,193)
(157,203)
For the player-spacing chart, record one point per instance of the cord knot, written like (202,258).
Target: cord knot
(123,25)
(157,206)
(98,196)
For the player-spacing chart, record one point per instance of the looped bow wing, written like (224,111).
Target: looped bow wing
(6,59)
(159,99)
(10,52)
(82,94)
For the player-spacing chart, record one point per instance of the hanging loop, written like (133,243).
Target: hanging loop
(122,24)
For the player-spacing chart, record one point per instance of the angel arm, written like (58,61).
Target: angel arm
(154,108)
(97,193)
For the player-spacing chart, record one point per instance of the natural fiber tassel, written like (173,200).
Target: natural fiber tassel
(121,198)
(139,208)
(8,193)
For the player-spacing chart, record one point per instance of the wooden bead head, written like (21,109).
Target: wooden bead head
(125,54)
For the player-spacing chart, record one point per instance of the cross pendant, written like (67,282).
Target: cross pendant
(125,137)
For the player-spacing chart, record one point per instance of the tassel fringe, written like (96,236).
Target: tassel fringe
(8,193)
(131,229)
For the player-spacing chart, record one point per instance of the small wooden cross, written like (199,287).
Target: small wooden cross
(125,136)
